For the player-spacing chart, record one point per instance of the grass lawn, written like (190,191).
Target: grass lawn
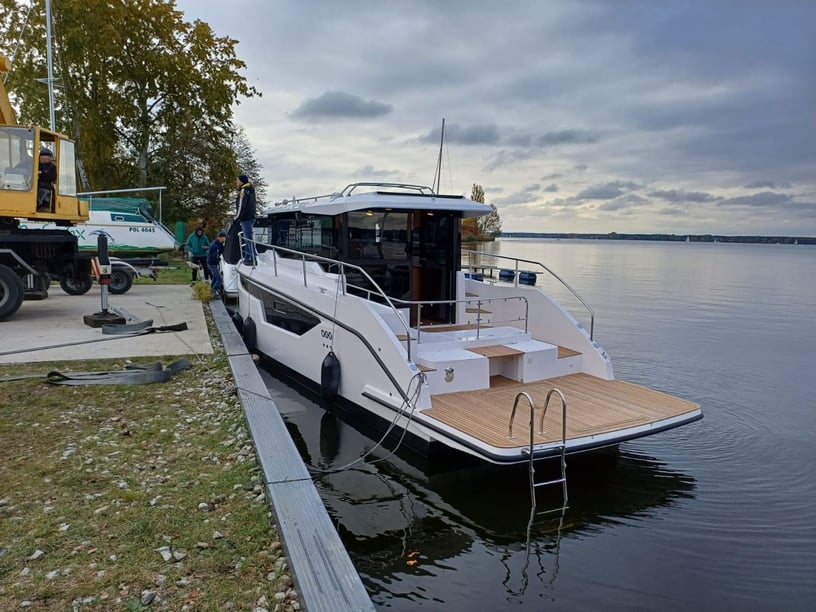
(134,497)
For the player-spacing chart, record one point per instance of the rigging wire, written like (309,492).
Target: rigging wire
(19,38)
(411,403)
(334,316)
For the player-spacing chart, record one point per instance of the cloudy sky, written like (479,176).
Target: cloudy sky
(574,115)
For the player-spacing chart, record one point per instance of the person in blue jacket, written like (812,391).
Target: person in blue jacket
(213,259)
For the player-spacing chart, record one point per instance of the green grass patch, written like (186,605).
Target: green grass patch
(95,482)
(176,272)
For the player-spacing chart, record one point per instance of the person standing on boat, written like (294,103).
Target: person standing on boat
(245,214)
(213,258)
(197,245)
(46,176)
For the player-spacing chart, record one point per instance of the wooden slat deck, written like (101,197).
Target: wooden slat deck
(594,406)
(565,352)
(495,350)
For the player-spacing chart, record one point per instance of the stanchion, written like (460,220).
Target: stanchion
(102,270)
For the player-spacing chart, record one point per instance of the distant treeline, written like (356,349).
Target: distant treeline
(669,237)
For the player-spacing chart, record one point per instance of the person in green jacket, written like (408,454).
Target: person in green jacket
(197,245)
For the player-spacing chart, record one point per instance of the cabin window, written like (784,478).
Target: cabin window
(378,242)
(280,313)
(16,158)
(312,235)
(378,235)
(66,166)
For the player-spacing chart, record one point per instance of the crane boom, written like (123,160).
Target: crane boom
(7,114)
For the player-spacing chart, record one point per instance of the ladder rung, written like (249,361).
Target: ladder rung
(549,482)
(558,509)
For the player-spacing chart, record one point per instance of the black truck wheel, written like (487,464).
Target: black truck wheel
(121,281)
(11,292)
(80,286)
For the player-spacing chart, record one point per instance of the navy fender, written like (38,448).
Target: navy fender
(237,321)
(330,377)
(249,334)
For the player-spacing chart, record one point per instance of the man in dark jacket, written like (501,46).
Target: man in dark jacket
(213,259)
(46,176)
(245,205)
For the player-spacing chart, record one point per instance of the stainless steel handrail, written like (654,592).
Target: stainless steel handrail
(306,257)
(471,253)
(530,450)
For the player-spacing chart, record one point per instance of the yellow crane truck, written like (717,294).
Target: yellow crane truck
(29,259)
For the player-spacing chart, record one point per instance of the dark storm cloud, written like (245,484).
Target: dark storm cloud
(340,105)
(551,139)
(490,134)
(758,200)
(624,203)
(520,197)
(508,158)
(679,195)
(471,135)
(607,191)
(766,185)
(526,195)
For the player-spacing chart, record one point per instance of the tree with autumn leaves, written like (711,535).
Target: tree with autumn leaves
(146,95)
(486,227)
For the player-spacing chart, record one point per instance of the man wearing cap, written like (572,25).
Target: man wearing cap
(245,214)
(46,176)
(213,258)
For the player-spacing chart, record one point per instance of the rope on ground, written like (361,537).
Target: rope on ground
(128,331)
(133,374)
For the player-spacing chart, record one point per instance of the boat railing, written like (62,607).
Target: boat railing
(475,263)
(342,269)
(478,302)
(349,189)
(422,189)
(109,192)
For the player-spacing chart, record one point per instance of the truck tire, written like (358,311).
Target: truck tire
(11,292)
(121,281)
(77,287)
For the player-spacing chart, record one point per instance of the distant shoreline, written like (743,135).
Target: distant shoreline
(668,237)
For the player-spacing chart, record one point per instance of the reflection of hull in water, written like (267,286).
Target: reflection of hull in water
(395,513)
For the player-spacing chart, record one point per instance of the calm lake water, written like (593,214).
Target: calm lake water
(716,515)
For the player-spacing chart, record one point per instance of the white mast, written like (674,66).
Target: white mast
(52,117)
(437,184)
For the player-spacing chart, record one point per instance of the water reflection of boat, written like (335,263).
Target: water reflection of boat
(405,520)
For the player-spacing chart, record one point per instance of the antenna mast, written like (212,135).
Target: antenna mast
(50,64)
(438,175)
